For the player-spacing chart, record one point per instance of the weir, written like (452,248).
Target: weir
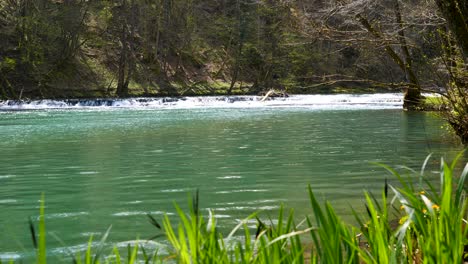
(339,101)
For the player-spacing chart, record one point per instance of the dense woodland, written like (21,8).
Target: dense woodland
(89,48)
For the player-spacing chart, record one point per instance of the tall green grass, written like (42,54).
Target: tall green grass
(412,222)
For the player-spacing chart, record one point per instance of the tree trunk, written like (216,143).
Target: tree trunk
(412,97)
(126,64)
(131,57)
(122,85)
(456,14)
(240,44)
(460,126)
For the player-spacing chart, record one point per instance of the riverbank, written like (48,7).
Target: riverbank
(89,90)
(434,104)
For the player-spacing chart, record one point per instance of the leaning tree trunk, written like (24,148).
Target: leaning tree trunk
(412,98)
(460,126)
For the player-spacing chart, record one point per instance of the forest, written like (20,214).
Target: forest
(88,49)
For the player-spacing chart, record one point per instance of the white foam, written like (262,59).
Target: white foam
(338,101)
(73,249)
(5,201)
(247,208)
(88,172)
(174,190)
(138,242)
(133,213)
(65,215)
(242,191)
(9,256)
(89,234)
(220,216)
(147,244)
(134,202)
(229,177)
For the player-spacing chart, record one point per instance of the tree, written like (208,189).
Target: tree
(240,37)
(456,14)
(385,27)
(41,39)
(126,19)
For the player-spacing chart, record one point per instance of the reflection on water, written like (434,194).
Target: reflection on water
(102,168)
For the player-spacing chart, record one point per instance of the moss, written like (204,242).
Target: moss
(433,103)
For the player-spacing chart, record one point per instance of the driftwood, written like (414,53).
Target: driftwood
(272,93)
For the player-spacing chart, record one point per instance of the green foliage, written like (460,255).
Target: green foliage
(331,235)
(8,64)
(41,250)
(435,223)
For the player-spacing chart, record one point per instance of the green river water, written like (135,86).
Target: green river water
(110,167)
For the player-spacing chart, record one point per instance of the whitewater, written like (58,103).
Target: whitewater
(325,102)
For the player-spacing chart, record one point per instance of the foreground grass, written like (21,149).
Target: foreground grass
(431,228)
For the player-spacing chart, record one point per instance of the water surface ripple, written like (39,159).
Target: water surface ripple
(100,168)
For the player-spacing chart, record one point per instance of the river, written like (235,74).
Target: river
(109,162)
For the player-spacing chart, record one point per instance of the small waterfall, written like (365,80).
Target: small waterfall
(326,102)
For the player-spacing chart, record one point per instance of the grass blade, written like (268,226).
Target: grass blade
(33,233)
(101,246)
(461,185)
(153,221)
(41,251)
